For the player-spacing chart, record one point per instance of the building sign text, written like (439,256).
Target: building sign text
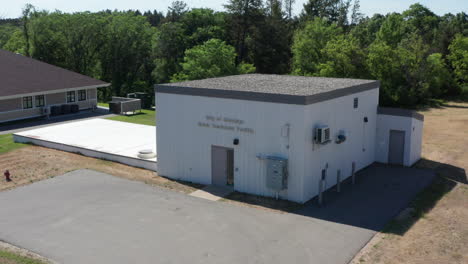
(225,123)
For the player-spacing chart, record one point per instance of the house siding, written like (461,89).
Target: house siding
(10,104)
(56,98)
(11,109)
(20,114)
(92,93)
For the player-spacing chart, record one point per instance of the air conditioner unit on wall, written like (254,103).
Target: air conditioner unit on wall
(322,135)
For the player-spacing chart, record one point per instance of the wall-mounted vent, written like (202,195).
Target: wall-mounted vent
(322,135)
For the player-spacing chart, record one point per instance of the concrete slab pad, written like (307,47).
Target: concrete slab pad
(212,193)
(100,138)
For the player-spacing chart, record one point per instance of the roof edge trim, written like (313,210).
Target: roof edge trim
(266,97)
(400,112)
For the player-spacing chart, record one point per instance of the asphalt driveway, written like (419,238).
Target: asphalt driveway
(90,217)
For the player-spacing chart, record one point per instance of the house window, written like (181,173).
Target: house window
(71,97)
(27,102)
(356,102)
(81,95)
(40,100)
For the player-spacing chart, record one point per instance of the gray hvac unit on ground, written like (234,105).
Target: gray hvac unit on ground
(146,99)
(277,173)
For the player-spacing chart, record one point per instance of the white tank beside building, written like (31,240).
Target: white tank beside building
(277,136)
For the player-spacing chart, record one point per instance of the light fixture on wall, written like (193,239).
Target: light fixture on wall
(235,141)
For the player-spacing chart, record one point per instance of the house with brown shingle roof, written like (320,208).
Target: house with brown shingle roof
(30,88)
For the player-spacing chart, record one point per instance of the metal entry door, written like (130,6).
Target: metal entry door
(222,166)
(396,147)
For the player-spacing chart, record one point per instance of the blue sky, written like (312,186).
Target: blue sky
(12,8)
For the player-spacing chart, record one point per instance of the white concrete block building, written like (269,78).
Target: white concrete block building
(277,136)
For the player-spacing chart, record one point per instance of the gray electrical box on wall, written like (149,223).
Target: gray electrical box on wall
(277,173)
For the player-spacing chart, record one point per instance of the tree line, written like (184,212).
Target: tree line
(417,55)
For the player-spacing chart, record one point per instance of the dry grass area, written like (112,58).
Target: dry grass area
(437,229)
(33,163)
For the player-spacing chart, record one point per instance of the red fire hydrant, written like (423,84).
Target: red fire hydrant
(7,176)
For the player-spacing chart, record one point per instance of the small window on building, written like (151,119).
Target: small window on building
(40,100)
(356,102)
(27,102)
(81,95)
(71,97)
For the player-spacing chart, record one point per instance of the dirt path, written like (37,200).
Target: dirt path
(438,233)
(33,163)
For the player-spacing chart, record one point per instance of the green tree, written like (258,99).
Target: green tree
(125,55)
(450,25)
(72,41)
(356,15)
(438,77)
(383,63)
(83,35)
(45,39)
(271,42)
(168,47)
(401,70)
(28,12)
(288,8)
(308,44)
(343,58)
(458,58)
(421,20)
(413,53)
(202,24)
(6,32)
(335,11)
(16,43)
(212,59)
(393,30)
(244,17)
(154,18)
(365,32)
(176,11)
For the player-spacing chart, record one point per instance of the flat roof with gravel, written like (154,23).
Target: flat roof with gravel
(271,88)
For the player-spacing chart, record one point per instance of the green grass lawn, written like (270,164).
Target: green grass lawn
(11,258)
(7,143)
(104,104)
(146,117)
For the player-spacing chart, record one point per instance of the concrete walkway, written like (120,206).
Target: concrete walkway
(90,217)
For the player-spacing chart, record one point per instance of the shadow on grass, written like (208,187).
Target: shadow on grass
(442,103)
(455,106)
(447,177)
(379,194)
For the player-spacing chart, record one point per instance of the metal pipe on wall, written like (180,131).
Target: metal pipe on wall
(338,180)
(322,186)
